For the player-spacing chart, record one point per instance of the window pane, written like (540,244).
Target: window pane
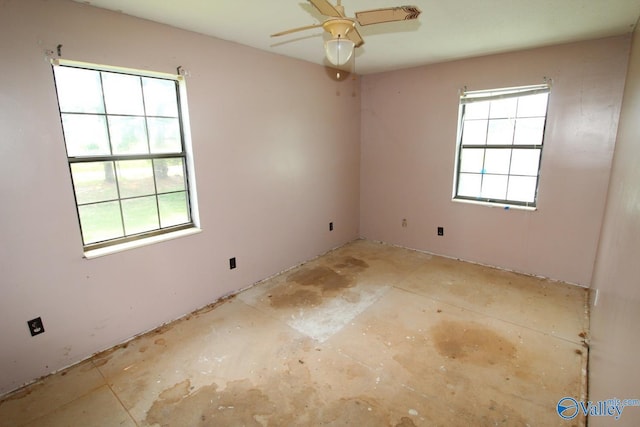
(169,175)
(469,184)
(500,144)
(173,209)
(472,160)
(474,132)
(525,162)
(522,188)
(79,90)
(503,108)
(122,94)
(494,187)
(135,178)
(85,135)
(500,132)
(497,161)
(100,221)
(164,135)
(160,97)
(476,110)
(94,182)
(529,131)
(533,106)
(128,135)
(140,215)
(133,125)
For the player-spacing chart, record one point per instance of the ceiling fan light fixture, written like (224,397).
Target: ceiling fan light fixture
(339,50)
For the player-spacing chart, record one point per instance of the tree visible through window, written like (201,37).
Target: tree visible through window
(124,138)
(500,140)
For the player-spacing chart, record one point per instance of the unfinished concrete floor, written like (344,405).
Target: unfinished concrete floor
(366,335)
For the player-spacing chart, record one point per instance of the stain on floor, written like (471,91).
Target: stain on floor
(238,404)
(285,401)
(472,343)
(309,286)
(297,298)
(325,279)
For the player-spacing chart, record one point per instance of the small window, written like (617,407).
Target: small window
(500,139)
(124,136)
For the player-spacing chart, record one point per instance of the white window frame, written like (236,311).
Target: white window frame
(469,97)
(105,247)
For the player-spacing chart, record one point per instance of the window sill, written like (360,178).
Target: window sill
(496,205)
(96,253)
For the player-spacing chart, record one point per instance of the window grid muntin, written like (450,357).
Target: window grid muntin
(489,96)
(149,156)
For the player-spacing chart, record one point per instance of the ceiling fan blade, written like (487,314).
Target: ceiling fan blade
(391,14)
(355,37)
(326,8)
(293,30)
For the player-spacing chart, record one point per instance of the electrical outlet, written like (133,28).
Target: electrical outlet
(331,226)
(404,223)
(232,263)
(440,231)
(35,326)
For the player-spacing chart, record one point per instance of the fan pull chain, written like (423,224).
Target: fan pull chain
(338,53)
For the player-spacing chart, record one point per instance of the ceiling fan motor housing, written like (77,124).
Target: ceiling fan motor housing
(339,27)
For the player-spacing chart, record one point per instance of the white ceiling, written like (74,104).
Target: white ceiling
(446,29)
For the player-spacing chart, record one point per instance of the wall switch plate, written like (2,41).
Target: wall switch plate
(232,263)
(331,226)
(35,326)
(440,231)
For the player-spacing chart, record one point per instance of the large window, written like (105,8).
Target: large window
(500,138)
(124,135)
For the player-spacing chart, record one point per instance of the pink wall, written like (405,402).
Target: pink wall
(615,317)
(408,142)
(276,145)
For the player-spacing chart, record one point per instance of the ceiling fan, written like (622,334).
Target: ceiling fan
(344,33)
